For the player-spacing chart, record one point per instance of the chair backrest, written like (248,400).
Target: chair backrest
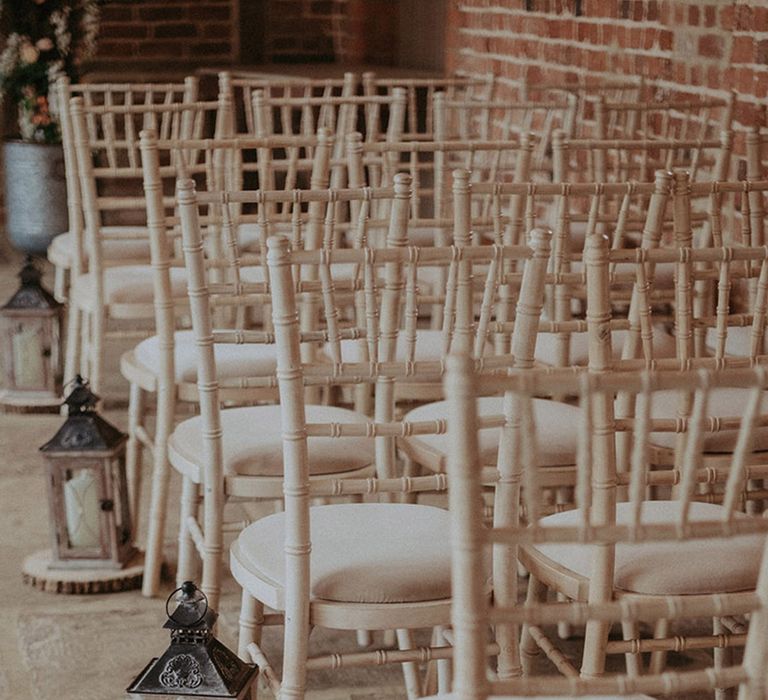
(497,120)
(669,119)
(241,86)
(375,116)
(227,165)
(109,165)
(622,160)
(419,115)
(105,94)
(430,163)
(597,523)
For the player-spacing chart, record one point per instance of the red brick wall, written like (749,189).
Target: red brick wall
(703,47)
(155,33)
(179,33)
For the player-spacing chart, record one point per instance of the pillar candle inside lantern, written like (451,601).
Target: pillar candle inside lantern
(81,505)
(28,357)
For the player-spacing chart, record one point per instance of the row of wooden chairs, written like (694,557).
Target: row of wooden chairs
(337,285)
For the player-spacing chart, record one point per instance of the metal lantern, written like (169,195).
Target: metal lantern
(87,489)
(196,664)
(30,337)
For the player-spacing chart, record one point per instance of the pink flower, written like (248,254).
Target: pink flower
(44,44)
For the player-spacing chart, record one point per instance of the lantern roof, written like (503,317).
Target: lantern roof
(84,429)
(194,665)
(31,294)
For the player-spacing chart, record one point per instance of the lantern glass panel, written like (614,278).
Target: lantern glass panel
(29,353)
(121,510)
(82,491)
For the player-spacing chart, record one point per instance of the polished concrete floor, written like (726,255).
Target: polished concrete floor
(59,647)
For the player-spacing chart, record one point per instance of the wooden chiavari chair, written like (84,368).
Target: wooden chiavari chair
(165,363)
(631,562)
(560,337)
(417,598)
(67,251)
(118,286)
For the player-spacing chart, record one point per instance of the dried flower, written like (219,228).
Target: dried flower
(28,53)
(43,43)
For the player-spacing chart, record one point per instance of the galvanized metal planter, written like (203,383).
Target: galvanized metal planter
(35,194)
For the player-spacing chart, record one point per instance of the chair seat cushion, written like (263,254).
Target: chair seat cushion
(62,246)
(558,421)
(723,403)
(128,284)
(361,552)
(429,346)
(451,696)
(253,442)
(689,567)
(547,346)
(232,360)
(738,341)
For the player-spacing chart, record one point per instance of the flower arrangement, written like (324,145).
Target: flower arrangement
(46,38)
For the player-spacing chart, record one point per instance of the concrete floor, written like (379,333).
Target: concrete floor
(58,647)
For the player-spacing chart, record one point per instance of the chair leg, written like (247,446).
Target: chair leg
(134,451)
(186,569)
(529,650)
(60,283)
(251,621)
(443,665)
(84,362)
(659,658)
(364,638)
(723,657)
(158,506)
(98,338)
(74,344)
(634,662)
(410,669)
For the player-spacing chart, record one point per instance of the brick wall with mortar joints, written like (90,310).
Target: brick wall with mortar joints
(704,47)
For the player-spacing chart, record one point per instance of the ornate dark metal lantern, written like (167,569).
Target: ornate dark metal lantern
(196,664)
(91,531)
(31,341)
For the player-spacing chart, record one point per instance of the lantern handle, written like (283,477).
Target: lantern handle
(188,587)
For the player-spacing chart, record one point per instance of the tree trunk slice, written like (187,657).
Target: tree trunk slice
(36,572)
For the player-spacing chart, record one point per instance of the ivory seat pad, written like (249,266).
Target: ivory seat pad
(253,443)
(451,696)
(689,567)
(361,552)
(62,246)
(723,403)
(547,345)
(429,346)
(128,284)
(738,341)
(559,449)
(251,360)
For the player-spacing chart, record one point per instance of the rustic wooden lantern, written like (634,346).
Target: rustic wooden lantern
(87,488)
(30,334)
(196,664)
